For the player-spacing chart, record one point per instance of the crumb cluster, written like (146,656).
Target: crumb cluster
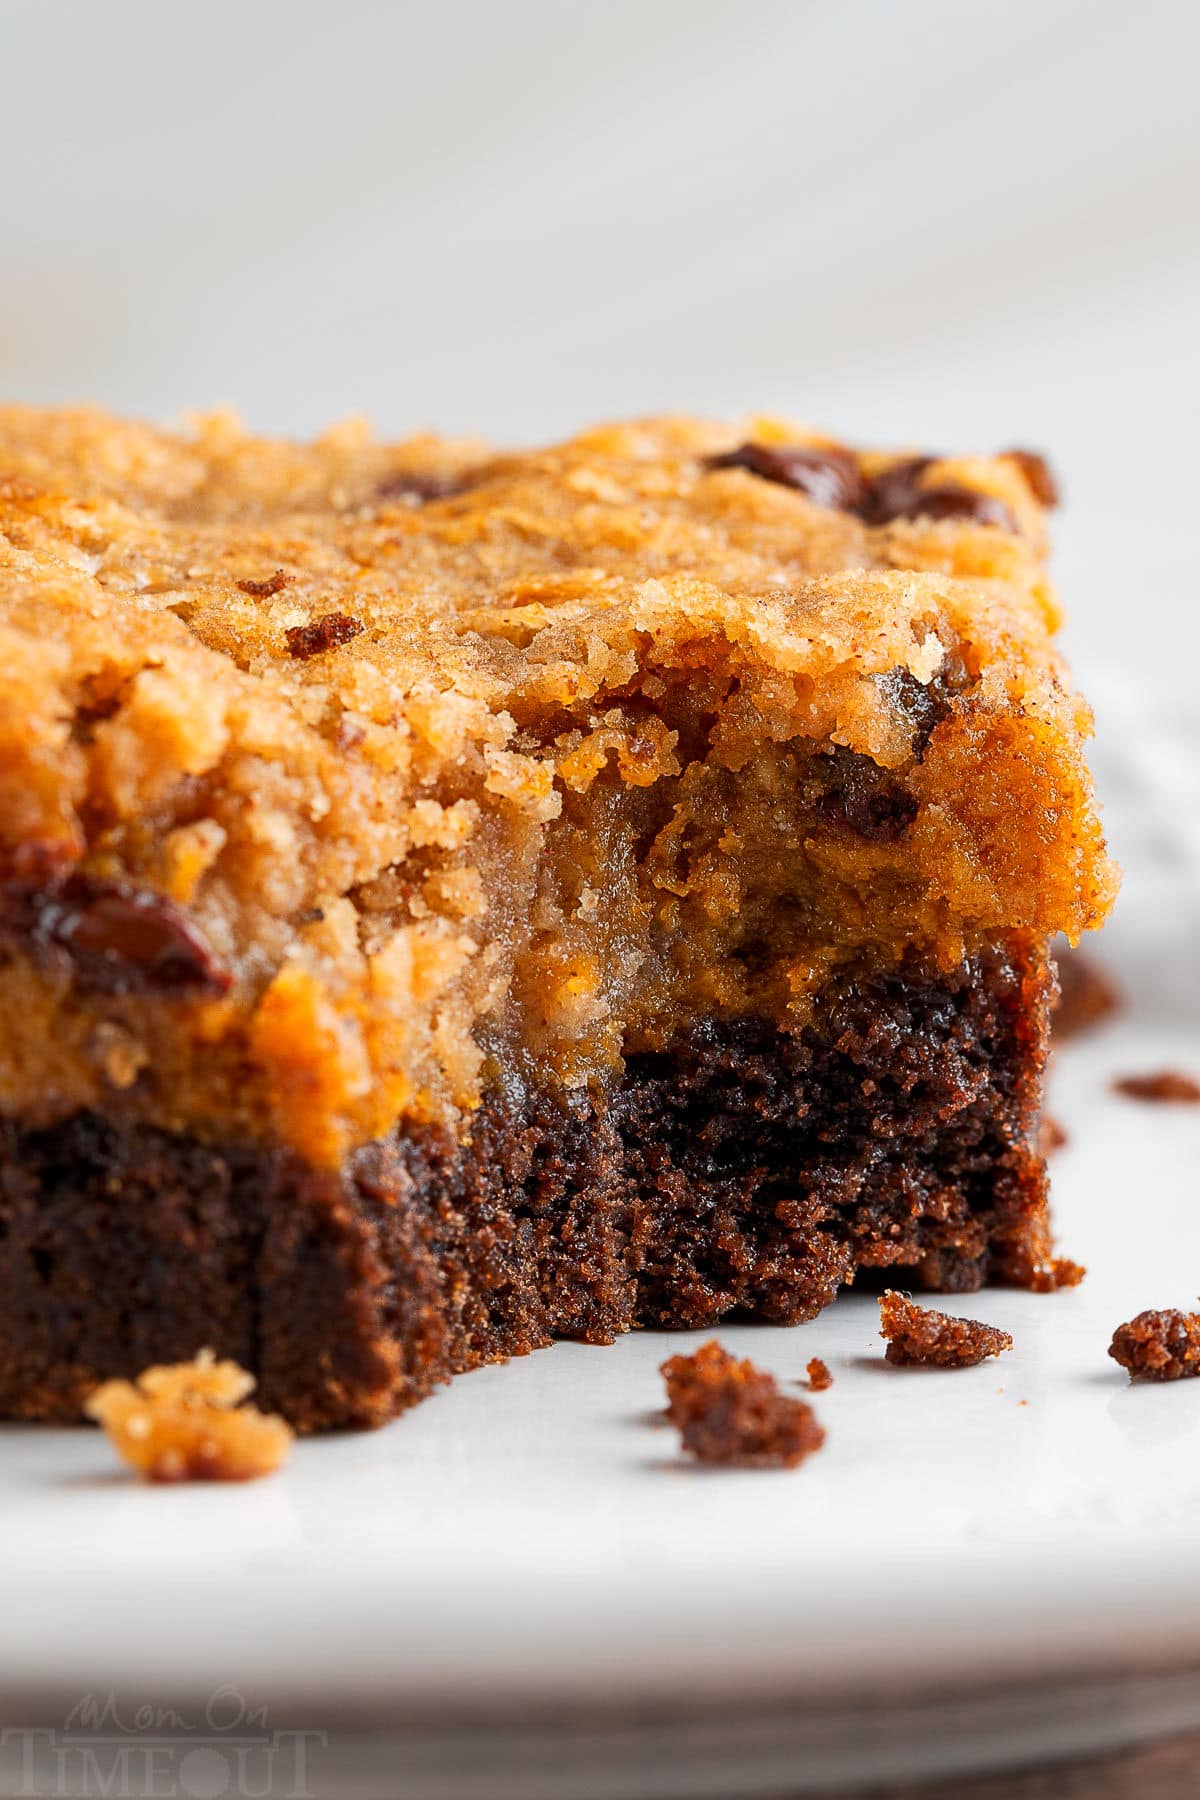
(186,1422)
(730,1412)
(917,1336)
(1158,1346)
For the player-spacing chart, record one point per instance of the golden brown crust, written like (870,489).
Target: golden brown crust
(565,746)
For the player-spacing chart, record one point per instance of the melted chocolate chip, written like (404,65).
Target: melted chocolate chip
(925,704)
(866,797)
(118,938)
(828,477)
(893,491)
(407,484)
(274,584)
(1038,474)
(950,501)
(329,632)
(897,493)
(831,478)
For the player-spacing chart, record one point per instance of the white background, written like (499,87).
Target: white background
(948,224)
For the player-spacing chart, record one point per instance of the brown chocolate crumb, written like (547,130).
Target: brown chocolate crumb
(1158,1346)
(1171,1087)
(1059,1272)
(1052,1135)
(730,1412)
(1087,996)
(819,1375)
(329,632)
(185,1422)
(917,1335)
(119,939)
(829,477)
(274,584)
(1043,484)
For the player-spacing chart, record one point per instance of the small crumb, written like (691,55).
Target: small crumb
(185,1422)
(1168,1086)
(1053,1135)
(1088,995)
(274,584)
(1059,1272)
(329,632)
(918,1335)
(1158,1346)
(819,1375)
(730,1412)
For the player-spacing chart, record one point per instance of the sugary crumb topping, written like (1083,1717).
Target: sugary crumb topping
(187,1422)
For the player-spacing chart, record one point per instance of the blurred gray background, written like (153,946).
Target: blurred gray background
(948,224)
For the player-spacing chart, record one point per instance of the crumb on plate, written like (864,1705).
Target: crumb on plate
(819,1375)
(1158,1346)
(917,1335)
(185,1422)
(730,1412)
(1166,1086)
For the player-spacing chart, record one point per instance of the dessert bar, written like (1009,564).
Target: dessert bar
(451,899)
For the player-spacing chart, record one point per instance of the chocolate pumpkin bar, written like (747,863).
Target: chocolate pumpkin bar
(450,900)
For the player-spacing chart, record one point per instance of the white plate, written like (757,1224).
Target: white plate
(520,1589)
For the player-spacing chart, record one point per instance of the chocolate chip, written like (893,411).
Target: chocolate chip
(274,584)
(896,493)
(828,477)
(950,501)
(406,484)
(925,704)
(1038,474)
(865,797)
(329,632)
(893,491)
(120,939)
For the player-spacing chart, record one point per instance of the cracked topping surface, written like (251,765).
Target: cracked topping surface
(336,778)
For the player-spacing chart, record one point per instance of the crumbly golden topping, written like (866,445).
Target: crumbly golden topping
(186,1422)
(331,773)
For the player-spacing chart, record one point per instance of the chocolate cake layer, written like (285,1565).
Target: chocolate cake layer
(743,1171)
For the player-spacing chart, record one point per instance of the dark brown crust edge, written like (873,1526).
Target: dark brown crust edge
(745,1172)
